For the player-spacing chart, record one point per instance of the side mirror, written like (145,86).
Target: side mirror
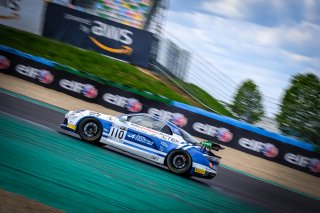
(123,119)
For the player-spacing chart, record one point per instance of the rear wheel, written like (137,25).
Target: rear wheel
(179,162)
(90,130)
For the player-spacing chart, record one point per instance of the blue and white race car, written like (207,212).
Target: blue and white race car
(149,137)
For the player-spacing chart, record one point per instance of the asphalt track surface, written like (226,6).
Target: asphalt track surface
(230,191)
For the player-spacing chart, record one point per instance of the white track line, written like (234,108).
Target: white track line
(40,125)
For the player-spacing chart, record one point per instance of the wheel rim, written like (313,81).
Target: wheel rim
(90,129)
(180,161)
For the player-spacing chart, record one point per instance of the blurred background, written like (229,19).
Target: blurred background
(249,56)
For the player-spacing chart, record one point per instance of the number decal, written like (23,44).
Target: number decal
(117,133)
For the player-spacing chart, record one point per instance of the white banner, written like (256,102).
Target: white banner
(26,15)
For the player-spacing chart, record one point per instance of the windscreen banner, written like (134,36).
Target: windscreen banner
(26,15)
(95,33)
(260,143)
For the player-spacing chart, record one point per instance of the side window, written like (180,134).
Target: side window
(142,121)
(166,129)
(146,121)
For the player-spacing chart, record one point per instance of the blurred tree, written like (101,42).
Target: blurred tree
(299,115)
(247,103)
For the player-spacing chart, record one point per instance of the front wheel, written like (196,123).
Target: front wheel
(179,162)
(90,130)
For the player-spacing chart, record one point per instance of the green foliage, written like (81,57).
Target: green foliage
(247,103)
(300,109)
(206,98)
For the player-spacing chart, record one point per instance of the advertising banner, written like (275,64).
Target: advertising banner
(270,148)
(95,33)
(26,15)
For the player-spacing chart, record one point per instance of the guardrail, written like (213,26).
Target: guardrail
(198,122)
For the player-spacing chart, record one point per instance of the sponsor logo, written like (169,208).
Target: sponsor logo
(112,32)
(168,137)
(107,31)
(138,127)
(43,76)
(314,165)
(100,29)
(95,114)
(311,163)
(141,139)
(223,134)
(87,90)
(131,104)
(164,144)
(270,150)
(154,157)
(4,62)
(176,118)
(266,149)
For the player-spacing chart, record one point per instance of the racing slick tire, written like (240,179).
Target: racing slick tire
(90,130)
(179,162)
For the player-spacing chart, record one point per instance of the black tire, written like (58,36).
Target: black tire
(90,130)
(179,162)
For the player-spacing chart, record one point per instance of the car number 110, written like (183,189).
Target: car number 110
(117,133)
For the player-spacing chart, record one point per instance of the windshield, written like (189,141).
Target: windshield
(187,137)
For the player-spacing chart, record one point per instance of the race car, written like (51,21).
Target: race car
(149,137)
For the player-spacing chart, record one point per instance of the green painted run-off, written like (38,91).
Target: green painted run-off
(68,174)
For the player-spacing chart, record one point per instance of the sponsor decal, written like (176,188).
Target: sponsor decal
(95,114)
(86,90)
(311,163)
(266,149)
(222,134)
(4,62)
(12,8)
(139,128)
(43,76)
(167,137)
(124,50)
(154,157)
(164,144)
(131,104)
(179,119)
(140,138)
(201,171)
(176,118)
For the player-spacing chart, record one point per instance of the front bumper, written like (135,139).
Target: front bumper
(67,126)
(202,171)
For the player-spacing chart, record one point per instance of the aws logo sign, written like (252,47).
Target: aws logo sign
(114,33)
